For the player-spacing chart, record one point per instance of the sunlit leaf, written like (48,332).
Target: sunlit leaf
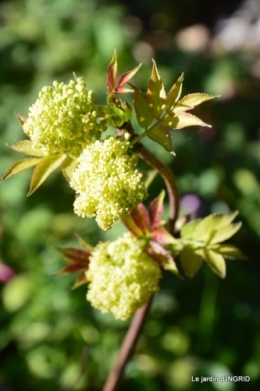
(125,78)
(162,236)
(174,94)
(156,93)
(43,169)
(112,73)
(182,120)
(216,262)
(212,223)
(228,251)
(141,218)
(68,166)
(20,165)
(131,225)
(190,101)
(161,136)
(187,230)
(143,113)
(224,233)
(190,261)
(22,119)
(27,147)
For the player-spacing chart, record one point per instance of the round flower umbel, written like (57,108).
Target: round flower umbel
(106,181)
(64,118)
(122,276)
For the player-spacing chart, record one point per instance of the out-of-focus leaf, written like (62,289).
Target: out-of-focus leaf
(191,262)
(156,210)
(68,166)
(161,136)
(125,78)
(20,165)
(163,257)
(228,251)
(190,101)
(212,223)
(43,169)
(22,119)
(141,218)
(149,176)
(81,279)
(161,236)
(74,255)
(224,233)
(27,147)
(188,229)
(84,244)
(111,74)
(143,113)
(131,225)
(216,262)
(156,93)
(174,94)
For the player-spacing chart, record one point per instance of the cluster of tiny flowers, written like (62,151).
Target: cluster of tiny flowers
(64,118)
(122,276)
(106,181)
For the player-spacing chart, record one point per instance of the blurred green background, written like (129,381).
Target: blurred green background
(50,337)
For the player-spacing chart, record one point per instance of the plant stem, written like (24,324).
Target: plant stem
(170,182)
(127,348)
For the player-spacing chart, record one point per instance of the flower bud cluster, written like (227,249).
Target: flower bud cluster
(64,118)
(122,276)
(106,181)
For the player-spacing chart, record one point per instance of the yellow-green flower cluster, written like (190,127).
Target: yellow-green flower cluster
(122,276)
(64,118)
(106,181)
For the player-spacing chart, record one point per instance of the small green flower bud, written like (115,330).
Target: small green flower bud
(122,276)
(58,119)
(106,181)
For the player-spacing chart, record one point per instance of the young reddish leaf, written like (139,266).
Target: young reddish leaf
(188,102)
(20,165)
(141,218)
(156,210)
(182,120)
(111,74)
(161,236)
(190,261)
(21,118)
(216,262)
(70,269)
(162,256)
(68,167)
(81,279)
(73,255)
(156,93)
(174,94)
(131,225)
(143,113)
(125,78)
(161,136)
(27,147)
(228,251)
(43,169)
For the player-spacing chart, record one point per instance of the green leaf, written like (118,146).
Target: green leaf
(182,120)
(81,279)
(161,136)
(224,233)
(84,244)
(188,102)
(216,262)
(43,169)
(111,74)
(20,165)
(27,147)
(143,113)
(174,94)
(188,229)
(228,251)
(125,78)
(21,118)
(156,93)
(149,176)
(190,261)
(212,223)
(68,166)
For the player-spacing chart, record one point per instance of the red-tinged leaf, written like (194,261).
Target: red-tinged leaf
(84,244)
(174,94)
(141,218)
(123,90)
(21,118)
(27,147)
(156,210)
(161,136)
(143,113)
(43,169)
(182,120)
(111,74)
(68,166)
(71,269)
(161,236)
(73,255)
(81,279)
(191,262)
(156,95)
(131,225)
(20,165)
(126,77)
(162,256)
(190,101)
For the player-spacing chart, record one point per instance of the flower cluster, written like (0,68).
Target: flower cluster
(122,276)
(64,118)
(106,181)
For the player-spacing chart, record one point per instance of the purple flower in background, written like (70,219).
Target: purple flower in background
(191,204)
(6,273)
